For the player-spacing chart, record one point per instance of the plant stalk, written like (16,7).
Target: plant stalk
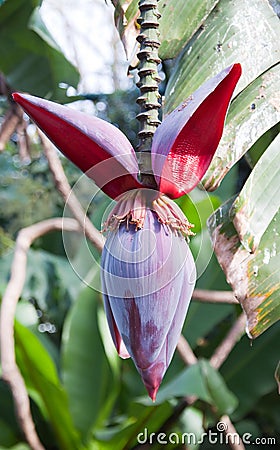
(148,84)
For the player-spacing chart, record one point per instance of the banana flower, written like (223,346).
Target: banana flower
(147,269)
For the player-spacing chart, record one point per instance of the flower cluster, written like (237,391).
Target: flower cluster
(147,270)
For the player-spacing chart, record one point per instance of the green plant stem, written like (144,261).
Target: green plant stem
(148,84)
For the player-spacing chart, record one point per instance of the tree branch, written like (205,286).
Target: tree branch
(185,351)
(13,116)
(220,355)
(230,432)
(10,371)
(69,197)
(204,295)
(223,350)
(23,142)
(11,120)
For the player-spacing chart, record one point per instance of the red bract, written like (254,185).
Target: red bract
(86,141)
(188,137)
(147,269)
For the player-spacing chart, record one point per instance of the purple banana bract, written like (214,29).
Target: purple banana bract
(148,278)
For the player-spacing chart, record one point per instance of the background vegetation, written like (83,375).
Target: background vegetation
(82,395)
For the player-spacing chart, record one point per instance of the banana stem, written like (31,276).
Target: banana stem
(148,84)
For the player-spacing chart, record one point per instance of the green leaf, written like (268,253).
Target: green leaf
(86,373)
(131,430)
(9,429)
(258,202)
(51,284)
(180,19)
(254,277)
(237,31)
(6,243)
(251,114)
(28,62)
(203,381)
(7,435)
(260,146)
(44,365)
(198,206)
(20,446)
(108,345)
(44,387)
(221,397)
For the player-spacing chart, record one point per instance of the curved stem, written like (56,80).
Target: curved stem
(148,84)
(208,296)
(68,195)
(223,350)
(13,116)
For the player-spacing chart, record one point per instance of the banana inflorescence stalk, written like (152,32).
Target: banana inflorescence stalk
(148,83)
